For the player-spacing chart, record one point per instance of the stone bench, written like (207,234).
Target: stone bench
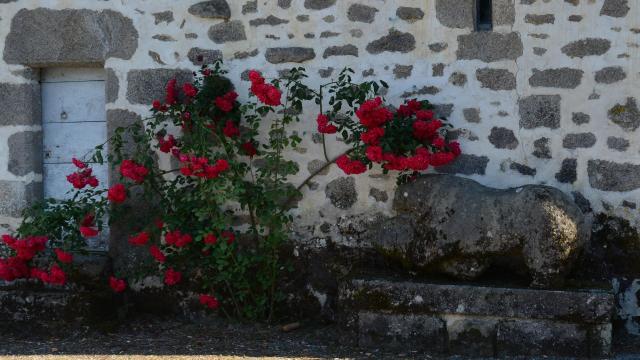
(477,320)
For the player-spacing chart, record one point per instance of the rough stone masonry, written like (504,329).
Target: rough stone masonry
(548,97)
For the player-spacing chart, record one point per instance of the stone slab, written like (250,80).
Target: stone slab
(592,307)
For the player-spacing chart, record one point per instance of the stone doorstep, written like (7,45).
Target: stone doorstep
(25,305)
(481,336)
(588,307)
(477,320)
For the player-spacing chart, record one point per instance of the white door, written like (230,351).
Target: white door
(73,122)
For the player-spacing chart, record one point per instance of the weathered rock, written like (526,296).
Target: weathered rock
(579,140)
(575,18)
(378,195)
(15,196)
(580,118)
(438,47)
(489,46)
(503,138)
(289,54)
(568,171)
(504,12)
(163,16)
(540,111)
(466,164)
(615,8)
(199,56)
(318,166)
(402,71)
(455,13)
(20,104)
(111,86)
(496,79)
(318,4)
(345,50)
(458,79)
(626,116)
(409,14)
(251,7)
(269,20)
(144,86)
(437,69)
(610,75)
(542,150)
(285,4)
(227,32)
(617,143)
(25,153)
(395,41)
(213,9)
(445,220)
(342,192)
(472,115)
(611,176)
(563,78)
(522,169)
(587,47)
(361,13)
(69,37)
(121,118)
(540,19)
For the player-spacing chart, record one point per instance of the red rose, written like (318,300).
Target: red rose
(56,276)
(230,236)
(157,254)
(350,167)
(189,90)
(209,301)
(139,239)
(372,114)
(63,256)
(230,129)
(88,231)
(172,93)
(323,125)
(136,172)
(172,277)
(372,136)
(166,145)
(157,105)
(117,193)
(210,239)
(249,149)
(226,101)
(118,285)
(374,153)
(79,164)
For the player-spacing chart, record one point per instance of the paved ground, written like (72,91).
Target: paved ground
(152,338)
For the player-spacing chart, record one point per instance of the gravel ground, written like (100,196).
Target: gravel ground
(169,339)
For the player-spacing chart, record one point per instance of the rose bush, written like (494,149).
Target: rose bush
(220,212)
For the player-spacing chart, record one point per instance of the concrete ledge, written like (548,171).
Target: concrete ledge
(476,320)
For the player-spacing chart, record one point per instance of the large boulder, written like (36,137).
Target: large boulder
(458,227)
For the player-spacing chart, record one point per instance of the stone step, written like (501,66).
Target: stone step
(477,320)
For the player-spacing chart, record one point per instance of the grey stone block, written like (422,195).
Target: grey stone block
(199,56)
(455,13)
(15,196)
(610,75)
(466,164)
(611,176)
(342,192)
(361,13)
(20,104)
(489,46)
(503,138)
(587,47)
(563,78)
(230,31)
(111,86)
(144,86)
(25,153)
(409,14)
(344,50)
(496,79)
(214,9)
(395,41)
(289,55)
(69,37)
(615,8)
(402,332)
(540,111)
(318,4)
(627,115)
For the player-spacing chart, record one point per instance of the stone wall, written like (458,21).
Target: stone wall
(547,97)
